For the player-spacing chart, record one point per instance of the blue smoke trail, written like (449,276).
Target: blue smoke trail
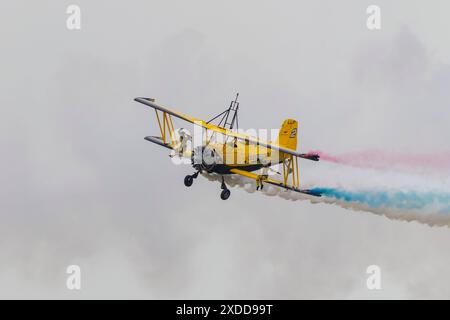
(404,200)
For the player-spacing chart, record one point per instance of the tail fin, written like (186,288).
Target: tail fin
(287,137)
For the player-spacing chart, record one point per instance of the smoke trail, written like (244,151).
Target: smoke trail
(406,200)
(390,160)
(430,207)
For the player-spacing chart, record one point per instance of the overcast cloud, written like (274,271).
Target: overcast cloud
(81,186)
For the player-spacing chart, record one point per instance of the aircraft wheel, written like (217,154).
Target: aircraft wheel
(225,194)
(188,180)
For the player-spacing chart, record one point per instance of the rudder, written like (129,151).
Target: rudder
(287,137)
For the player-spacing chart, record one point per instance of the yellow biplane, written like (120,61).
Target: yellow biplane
(222,150)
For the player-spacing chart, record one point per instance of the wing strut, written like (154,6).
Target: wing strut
(166,127)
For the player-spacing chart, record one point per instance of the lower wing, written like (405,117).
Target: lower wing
(265,179)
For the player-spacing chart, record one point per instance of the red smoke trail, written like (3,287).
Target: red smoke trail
(383,160)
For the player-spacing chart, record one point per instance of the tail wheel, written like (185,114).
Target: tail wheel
(225,194)
(188,180)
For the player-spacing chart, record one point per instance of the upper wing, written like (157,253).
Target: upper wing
(151,103)
(274,182)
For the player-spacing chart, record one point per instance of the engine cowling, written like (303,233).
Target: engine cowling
(205,158)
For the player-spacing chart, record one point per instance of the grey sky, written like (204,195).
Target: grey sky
(81,186)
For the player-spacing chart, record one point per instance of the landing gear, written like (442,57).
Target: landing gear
(189,179)
(223,186)
(225,194)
